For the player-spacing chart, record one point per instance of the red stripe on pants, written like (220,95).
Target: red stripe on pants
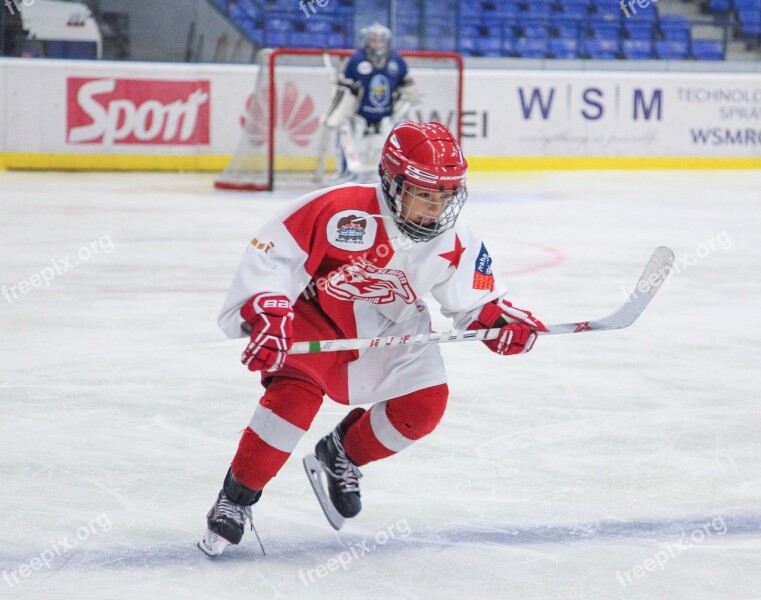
(414,416)
(294,400)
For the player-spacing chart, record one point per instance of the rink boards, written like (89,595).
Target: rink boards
(148,116)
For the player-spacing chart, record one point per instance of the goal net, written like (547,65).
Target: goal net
(282,137)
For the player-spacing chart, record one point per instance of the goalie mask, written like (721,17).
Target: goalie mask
(423,179)
(376,41)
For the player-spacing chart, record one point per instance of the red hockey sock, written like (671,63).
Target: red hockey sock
(389,427)
(283,415)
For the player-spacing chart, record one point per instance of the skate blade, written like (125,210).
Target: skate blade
(316,477)
(211,544)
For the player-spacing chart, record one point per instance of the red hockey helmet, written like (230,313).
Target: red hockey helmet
(423,178)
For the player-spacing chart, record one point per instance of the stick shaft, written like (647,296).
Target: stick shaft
(655,273)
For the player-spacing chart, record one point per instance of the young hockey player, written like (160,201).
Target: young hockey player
(374,92)
(355,261)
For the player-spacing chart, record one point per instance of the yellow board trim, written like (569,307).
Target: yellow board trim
(596,163)
(216,163)
(111,162)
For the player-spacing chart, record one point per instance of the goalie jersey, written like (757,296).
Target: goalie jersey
(350,272)
(378,84)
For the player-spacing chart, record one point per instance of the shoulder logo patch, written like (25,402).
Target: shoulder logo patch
(352,230)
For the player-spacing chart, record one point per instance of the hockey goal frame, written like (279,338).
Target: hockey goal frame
(342,53)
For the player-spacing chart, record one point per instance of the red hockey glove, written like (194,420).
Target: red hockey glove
(519,327)
(269,316)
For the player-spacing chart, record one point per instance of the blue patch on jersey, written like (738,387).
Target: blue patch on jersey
(380,90)
(483,278)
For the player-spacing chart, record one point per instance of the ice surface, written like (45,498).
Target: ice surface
(607,465)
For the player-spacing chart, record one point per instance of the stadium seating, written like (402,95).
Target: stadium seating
(672,50)
(707,50)
(637,49)
(563,29)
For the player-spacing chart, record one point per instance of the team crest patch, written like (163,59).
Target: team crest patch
(483,278)
(363,281)
(351,230)
(380,90)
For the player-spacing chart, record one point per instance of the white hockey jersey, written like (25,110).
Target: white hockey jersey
(350,272)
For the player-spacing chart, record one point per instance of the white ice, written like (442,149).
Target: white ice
(623,464)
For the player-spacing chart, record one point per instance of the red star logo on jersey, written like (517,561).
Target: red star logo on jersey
(454,256)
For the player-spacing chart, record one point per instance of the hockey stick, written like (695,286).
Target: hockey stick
(655,273)
(325,132)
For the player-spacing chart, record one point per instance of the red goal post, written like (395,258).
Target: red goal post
(280,124)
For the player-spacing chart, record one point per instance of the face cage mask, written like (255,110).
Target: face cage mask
(418,232)
(377,56)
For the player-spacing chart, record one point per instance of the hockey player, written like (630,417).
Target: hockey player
(347,261)
(374,92)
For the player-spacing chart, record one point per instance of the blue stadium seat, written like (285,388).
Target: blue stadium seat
(470,9)
(279,24)
(440,43)
(406,42)
(601,49)
(637,49)
(248,8)
(605,30)
(564,48)
(578,10)
(675,28)
(337,40)
(304,39)
(276,39)
(749,21)
(508,8)
(649,14)
(565,28)
(467,46)
(531,48)
(537,8)
(608,11)
(636,30)
(707,50)
(489,46)
(318,25)
(718,6)
(669,50)
(534,29)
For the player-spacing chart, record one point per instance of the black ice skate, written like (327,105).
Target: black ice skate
(342,500)
(226,521)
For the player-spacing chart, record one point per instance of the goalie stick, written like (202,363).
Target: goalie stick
(325,132)
(655,273)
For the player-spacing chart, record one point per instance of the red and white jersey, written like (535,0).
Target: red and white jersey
(338,255)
